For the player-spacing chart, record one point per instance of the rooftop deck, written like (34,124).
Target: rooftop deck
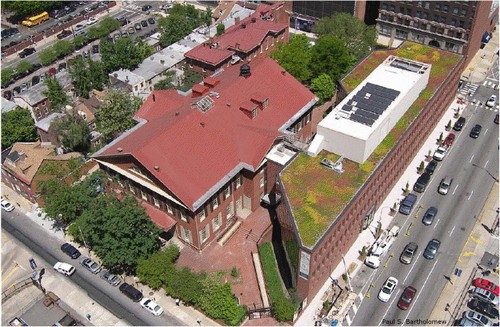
(318,195)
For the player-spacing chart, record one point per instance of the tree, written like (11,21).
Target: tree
(73,133)
(80,41)
(55,93)
(87,75)
(324,88)
(24,66)
(185,284)
(156,270)
(105,27)
(167,82)
(295,57)
(359,38)
(119,232)
(144,50)
(17,126)
(120,54)
(182,19)
(27,8)
(62,48)
(329,56)
(220,29)
(116,116)
(47,56)
(7,75)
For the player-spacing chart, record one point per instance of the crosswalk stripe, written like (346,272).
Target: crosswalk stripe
(485,82)
(348,319)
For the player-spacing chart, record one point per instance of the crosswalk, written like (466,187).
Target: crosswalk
(468,89)
(490,84)
(479,104)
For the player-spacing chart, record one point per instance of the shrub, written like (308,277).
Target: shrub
(234,272)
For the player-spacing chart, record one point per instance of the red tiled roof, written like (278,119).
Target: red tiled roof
(196,150)
(159,217)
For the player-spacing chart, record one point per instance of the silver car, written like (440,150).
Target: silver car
(110,278)
(408,253)
(91,265)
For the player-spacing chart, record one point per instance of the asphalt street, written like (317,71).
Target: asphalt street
(47,249)
(473,164)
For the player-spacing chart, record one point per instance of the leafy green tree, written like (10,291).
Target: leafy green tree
(186,285)
(167,82)
(323,86)
(119,232)
(80,41)
(115,117)
(121,54)
(359,38)
(144,50)
(182,19)
(86,75)
(104,28)
(329,56)
(55,93)
(73,133)
(28,8)
(295,57)
(220,29)
(17,126)
(47,56)
(24,66)
(156,269)
(62,48)
(7,75)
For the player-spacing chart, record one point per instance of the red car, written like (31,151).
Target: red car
(448,141)
(486,285)
(407,297)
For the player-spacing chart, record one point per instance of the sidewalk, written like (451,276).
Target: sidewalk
(482,61)
(78,299)
(309,315)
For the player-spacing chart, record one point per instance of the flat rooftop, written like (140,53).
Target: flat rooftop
(318,195)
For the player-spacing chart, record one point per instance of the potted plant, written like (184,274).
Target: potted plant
(448,126)
(421,167)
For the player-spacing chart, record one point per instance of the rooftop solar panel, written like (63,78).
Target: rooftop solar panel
(362,120)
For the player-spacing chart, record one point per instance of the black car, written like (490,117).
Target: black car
(131,292)
(64,34)
(151,20)
(146,8)
(431,167)
(26,52)
(144,23)
(422,182)
(95,48)
(483,308)
(70,250)
(459,124)
(475,131)
(496,119)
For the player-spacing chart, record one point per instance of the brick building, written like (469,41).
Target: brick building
(198,161)
(323,211)
(253,37)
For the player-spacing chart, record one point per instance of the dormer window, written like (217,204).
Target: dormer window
(265,103)
(254,113)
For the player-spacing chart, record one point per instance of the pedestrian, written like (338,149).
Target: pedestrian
(177,302)
(88,316)
(198,321)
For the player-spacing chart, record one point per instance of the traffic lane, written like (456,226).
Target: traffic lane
(35,238)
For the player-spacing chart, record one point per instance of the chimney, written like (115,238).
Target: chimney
(119,149)
(157,168)
(243,25)
(236,20)
(177,113)
(154,98)
(202,124)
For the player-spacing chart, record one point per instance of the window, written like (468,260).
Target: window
(144,196)
(227,192)
(237,182)
(135,88)
(186,235)
(384,6)
(451,47)
(385,30)
(217,222)
(409,11)
(423,26)
(427,5)
(262,181)
(418,38)
(402,9)
(435,18)
(392,7)
(204,233)
(215,203)
(383,16)
(445,8)
(254,113)
(229,210)
(453,22)
(38,113)
(443,19)
(426,15)
(437,6)
(461,24)
(440,30)
(418,14)
(463,13)
(401,34)
(156,202)
(419,4)
(203,215)
(46,110)
(170,210)
(183,216)
(455,11)
(131,188)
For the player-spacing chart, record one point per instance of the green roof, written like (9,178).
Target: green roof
(318,195)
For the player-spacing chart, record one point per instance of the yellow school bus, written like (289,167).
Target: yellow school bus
(35,20)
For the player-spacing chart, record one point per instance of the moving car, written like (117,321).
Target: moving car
(64,268)
(70,250)
(91,265)
(64,34)
(477,318)
(27,52)
(431,167)
(131,292)
(431,249)
(492,101)
(388,289)
(484,308)
(407,204)
(110,278)
(484,295)
(475,131)
(91,21)
(440,153)
(421,183)
(444,186)
(151,306)
(448,141)
(7,206)
(407,297)
(486,284)
(408,253)
(459,124)
(429,216)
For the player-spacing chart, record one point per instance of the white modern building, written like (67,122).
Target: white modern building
(357,125)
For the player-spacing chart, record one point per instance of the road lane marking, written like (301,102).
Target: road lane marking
(455,189)
(472,192)
(421,289)
(471,158)
(10,273)
(390,305)
(452,230)
(436,223)
(486,164)
(418,257)
(486,131)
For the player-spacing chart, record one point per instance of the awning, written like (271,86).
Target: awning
(160,218)
(486,37)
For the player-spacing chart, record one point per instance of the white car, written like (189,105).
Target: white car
(485,295)
(388,289)
(64,268)
(477,318)
(91,21)
(492,101)
(151,306)
(7,206)
(440,153)
(79,27)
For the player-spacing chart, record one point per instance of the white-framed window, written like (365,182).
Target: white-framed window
(262,181)
(203,215)
(227,192)
(131,188)
(183,216)
(217,222)
(169,209)
(156,202)
(46,110)
(385,30)
(186,235)
(215,203)
(229,210)
(400,34)
(144,196)
(205,233)
(237,182)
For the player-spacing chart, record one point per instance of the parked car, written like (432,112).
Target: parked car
(91,265)
(7,206)
(407,297)
(151,306)
(138,26)
(388,289)
(459,124)
(79,27)
(466,322)
(492,101)
(110,278)
(448,141)
(444,186)
(407,204)
(484,308)
(421,183)
(477,318)
(431,167)
(64,34)
(440,153)
(64,268)
(70,250)
(486,284)
(431,249)
(131,30)
(131,292)
(27,52)
(496,119)
(144,23)
(151,20)
(408,253)
(482,294)
(475,131)
(91,21)
(429,216)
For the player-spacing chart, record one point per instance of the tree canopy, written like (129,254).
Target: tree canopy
(324,87)
(86,75)
(73,133)
(28,8)
(55,93)
(329,56)
(17,126)
(123,53)
(295,57)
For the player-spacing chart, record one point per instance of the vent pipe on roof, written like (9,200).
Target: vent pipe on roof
(283,72)
(157,168)
(243,25)
(177,113)
(119,149)
(245,71)
(202,124)
(253,19)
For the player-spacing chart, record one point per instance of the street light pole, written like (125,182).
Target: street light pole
(83,238)
(347,274)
